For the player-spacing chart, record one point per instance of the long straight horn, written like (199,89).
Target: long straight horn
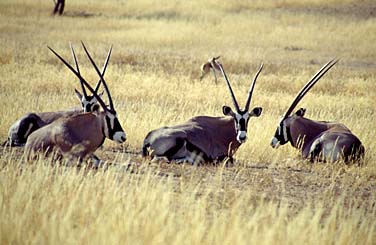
(309,85)
(78,69)
(104,69)
(81,79)
(101,77)
(228,85)
(246,108)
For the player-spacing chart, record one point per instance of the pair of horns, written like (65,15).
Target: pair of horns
(83,81)
(235,102)
(78,70)
(309,85)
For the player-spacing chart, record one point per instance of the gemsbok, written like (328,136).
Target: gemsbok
(23,127)
(211,65)
(77,137)
(317,140)
(204,138)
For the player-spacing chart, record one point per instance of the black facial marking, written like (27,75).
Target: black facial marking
(88,107)
(24,126)
(109,129)
(280,134)
(116,128)
(242,124)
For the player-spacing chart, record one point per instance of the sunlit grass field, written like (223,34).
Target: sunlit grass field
(268,196)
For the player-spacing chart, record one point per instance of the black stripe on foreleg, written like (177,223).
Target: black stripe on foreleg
(192,148)
(179,143)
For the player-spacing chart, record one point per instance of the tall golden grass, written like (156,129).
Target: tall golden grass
(269,196)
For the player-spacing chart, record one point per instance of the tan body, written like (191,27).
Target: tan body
(76,136)
(80,135)
(23,127)
(211,65)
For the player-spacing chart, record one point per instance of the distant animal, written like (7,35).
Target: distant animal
(23,127)
(59,7)
(78,136)
(317,140)
(211,65)
(204,138)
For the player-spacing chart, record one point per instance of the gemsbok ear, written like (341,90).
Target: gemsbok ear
(300,112)
(256,112)
(78,94)
(227,111)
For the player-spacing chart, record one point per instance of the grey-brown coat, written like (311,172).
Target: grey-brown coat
(23,127)
(317,140)
(78,136)
(204,138)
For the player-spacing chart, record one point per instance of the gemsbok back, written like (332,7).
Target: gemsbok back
(23,127)
(211,65)
(78,136)
(204,138)
(317,140)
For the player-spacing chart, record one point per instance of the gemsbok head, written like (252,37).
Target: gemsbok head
(210,65)
(317,140)
(24,126)
(203,138)
(89,102)
(241,116)
(80,135)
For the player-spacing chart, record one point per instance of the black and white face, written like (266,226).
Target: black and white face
(113,129)
(241,119)
(282,133)
(281,136)
(88,103)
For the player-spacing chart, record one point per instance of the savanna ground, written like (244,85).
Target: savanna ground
(268,196)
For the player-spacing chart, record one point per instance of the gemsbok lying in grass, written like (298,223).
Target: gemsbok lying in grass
(78,136)
(211,65)
(204,138)
(23,127)
(317,140)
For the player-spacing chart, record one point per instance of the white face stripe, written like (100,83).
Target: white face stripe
(284,131)
(241,137)
(28,130)
(238,116)
(112,119)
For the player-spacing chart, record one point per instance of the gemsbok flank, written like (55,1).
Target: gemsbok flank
(211,65)
(204,138)
(317,140)
(23,127)
(77,137)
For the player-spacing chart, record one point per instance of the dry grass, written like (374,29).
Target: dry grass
(269,196)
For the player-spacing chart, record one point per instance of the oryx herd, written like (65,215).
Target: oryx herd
(75,134)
